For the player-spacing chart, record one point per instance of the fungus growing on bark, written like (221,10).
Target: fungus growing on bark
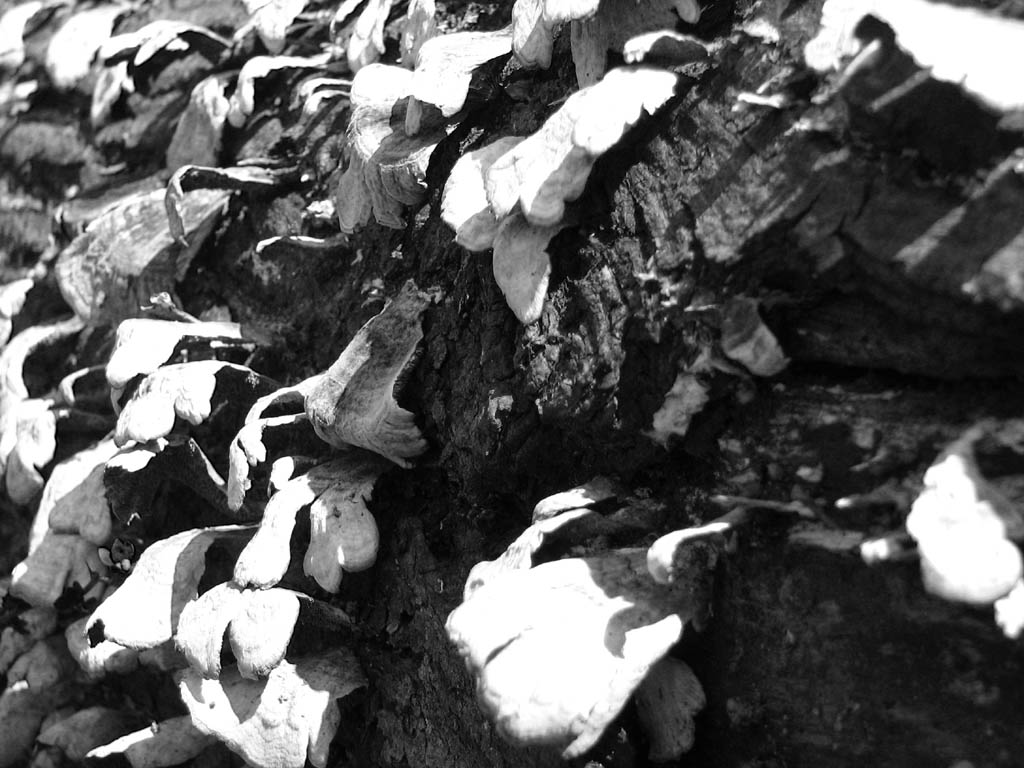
(281,721)
(367,41)
(142,345)
(671,556)
(257,623)
(74,499)
(666,702)
(665,47)
(552,166)
(161,745)
(969,47)
(186,391)
(12,31)
(127,254)
(80,731)
(522,266)
(340,534)
(686,398)
(58,561)
(162,35)
(353,402)
(72,48)
(243,100)
(420,26)
(964,524)
(595,27)
(386,169)
(748,341)
(558,649)
(444,70)
(98,660)
(144,611)
(12,299)
(464,205)
(197,136)
(271,19)
(35,440)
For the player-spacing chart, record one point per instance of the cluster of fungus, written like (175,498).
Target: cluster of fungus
(220,599)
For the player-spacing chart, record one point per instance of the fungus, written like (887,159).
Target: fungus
(72,48)
(968,47)
(186,391)
(78,733)
(162,35)
(686,398)
(593,492)
(75,500)
(963,525)
(271,18)
(144,611)
(142,345)
(12,299)
(106,657)
(281,721)
(35,441)
(521,265)
(420,26)
(161,745)
(748,341)
(127,254)
(353,403)
(12,32)
(34,624)
(663,46)
(111,84)
(243,100)
(558,649)
(386,168)
(367,41)
(666,703)
(258,624)
(339,525)
(671,556)
(247,450)
(197,136)
(551,167)
(58,561)
(36,683)
(464,205)
(190,178)
(596,26)
(444,71)
(343,533)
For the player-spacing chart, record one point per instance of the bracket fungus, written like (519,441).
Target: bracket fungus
(145,610)
(386,168)
(969,47)
(74,499)
(595,27)
(98,660)
(58,561)
(197,135)
(671,556)
(559,648)
(72,48)
(257,623)
(353,403)
(271,19)
(281,721)
(142,345)
(243,100)
(965,526)
(161,745)
(128,254)
(444,71)
(343,534)
(186,391)
(748,341)
(551,167)
(666,702)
